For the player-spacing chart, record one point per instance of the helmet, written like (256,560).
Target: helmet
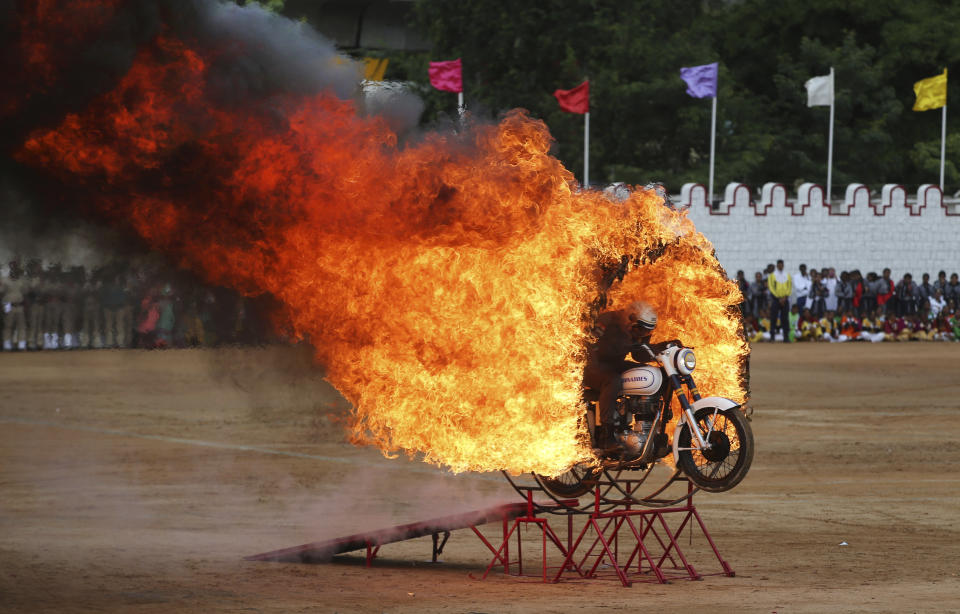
(642,316)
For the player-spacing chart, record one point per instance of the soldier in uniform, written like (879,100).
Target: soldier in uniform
(617,333)
(117,311)
(70,301)
(53,308)
(90,331)
(35,302)
(12,298)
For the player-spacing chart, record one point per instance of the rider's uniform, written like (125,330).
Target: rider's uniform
(606,360)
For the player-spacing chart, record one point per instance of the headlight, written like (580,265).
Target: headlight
(688,360)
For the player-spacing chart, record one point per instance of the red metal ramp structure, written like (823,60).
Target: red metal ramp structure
(371,541)
(632,545)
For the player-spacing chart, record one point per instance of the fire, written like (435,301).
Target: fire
(446,286)
(696,304)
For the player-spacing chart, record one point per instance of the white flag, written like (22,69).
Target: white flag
(820,91)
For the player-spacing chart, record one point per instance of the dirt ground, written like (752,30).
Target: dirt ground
(138,481)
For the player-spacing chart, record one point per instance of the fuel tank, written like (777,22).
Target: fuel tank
(641,381)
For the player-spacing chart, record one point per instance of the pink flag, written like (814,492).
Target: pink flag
(447,76)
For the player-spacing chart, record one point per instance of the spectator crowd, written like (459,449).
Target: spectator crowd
(51,307)
(821,306)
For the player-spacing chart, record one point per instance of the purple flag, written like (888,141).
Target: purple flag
(701,80)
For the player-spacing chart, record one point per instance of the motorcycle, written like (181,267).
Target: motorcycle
(712,443)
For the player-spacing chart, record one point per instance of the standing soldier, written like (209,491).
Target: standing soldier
(70,301)
(53,309)
(12,298)
(35,300)
(117,312)
(125,317)
(111,299)
(90,332)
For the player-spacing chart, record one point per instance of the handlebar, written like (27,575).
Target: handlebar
(652,350)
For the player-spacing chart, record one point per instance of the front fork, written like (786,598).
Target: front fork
(679,381)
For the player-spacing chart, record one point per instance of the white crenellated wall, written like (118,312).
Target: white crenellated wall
(915,233)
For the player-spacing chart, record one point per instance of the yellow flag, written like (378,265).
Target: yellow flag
(374,68)
(931,93)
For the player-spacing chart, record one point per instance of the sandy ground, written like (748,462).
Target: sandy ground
(137,481)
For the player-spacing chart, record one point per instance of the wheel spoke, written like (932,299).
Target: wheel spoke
(722,463)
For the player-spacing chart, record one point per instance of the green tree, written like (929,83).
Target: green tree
(517,54)
(643,125)
(878,49)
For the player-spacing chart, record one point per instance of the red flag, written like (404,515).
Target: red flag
(447,76)
(576,100)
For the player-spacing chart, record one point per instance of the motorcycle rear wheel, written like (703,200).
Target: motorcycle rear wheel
(570,483)
(723,465)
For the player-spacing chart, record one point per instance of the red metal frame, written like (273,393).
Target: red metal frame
(652,549)
(501,555)
(654,553)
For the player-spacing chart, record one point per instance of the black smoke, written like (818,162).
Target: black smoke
(254,56)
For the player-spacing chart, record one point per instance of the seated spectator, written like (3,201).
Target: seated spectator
(922,329)
(828,327)
(873,327)
(763,325)
(941,328)
(953,320)
(809,327)
(896,329)
(937,303)
(794,318)
(850,325)
(834,335)
(751,329)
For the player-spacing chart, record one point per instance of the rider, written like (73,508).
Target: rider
(618,333)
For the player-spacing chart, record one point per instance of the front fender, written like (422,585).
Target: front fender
(719,402)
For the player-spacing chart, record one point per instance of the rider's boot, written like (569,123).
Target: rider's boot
(608,438)
(600,436)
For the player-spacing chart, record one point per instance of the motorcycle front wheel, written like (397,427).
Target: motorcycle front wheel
(725,463)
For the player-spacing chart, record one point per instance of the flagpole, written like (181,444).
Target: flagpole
(833,97)
(943,145)
(460,103)
(713,143)
(586,149)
